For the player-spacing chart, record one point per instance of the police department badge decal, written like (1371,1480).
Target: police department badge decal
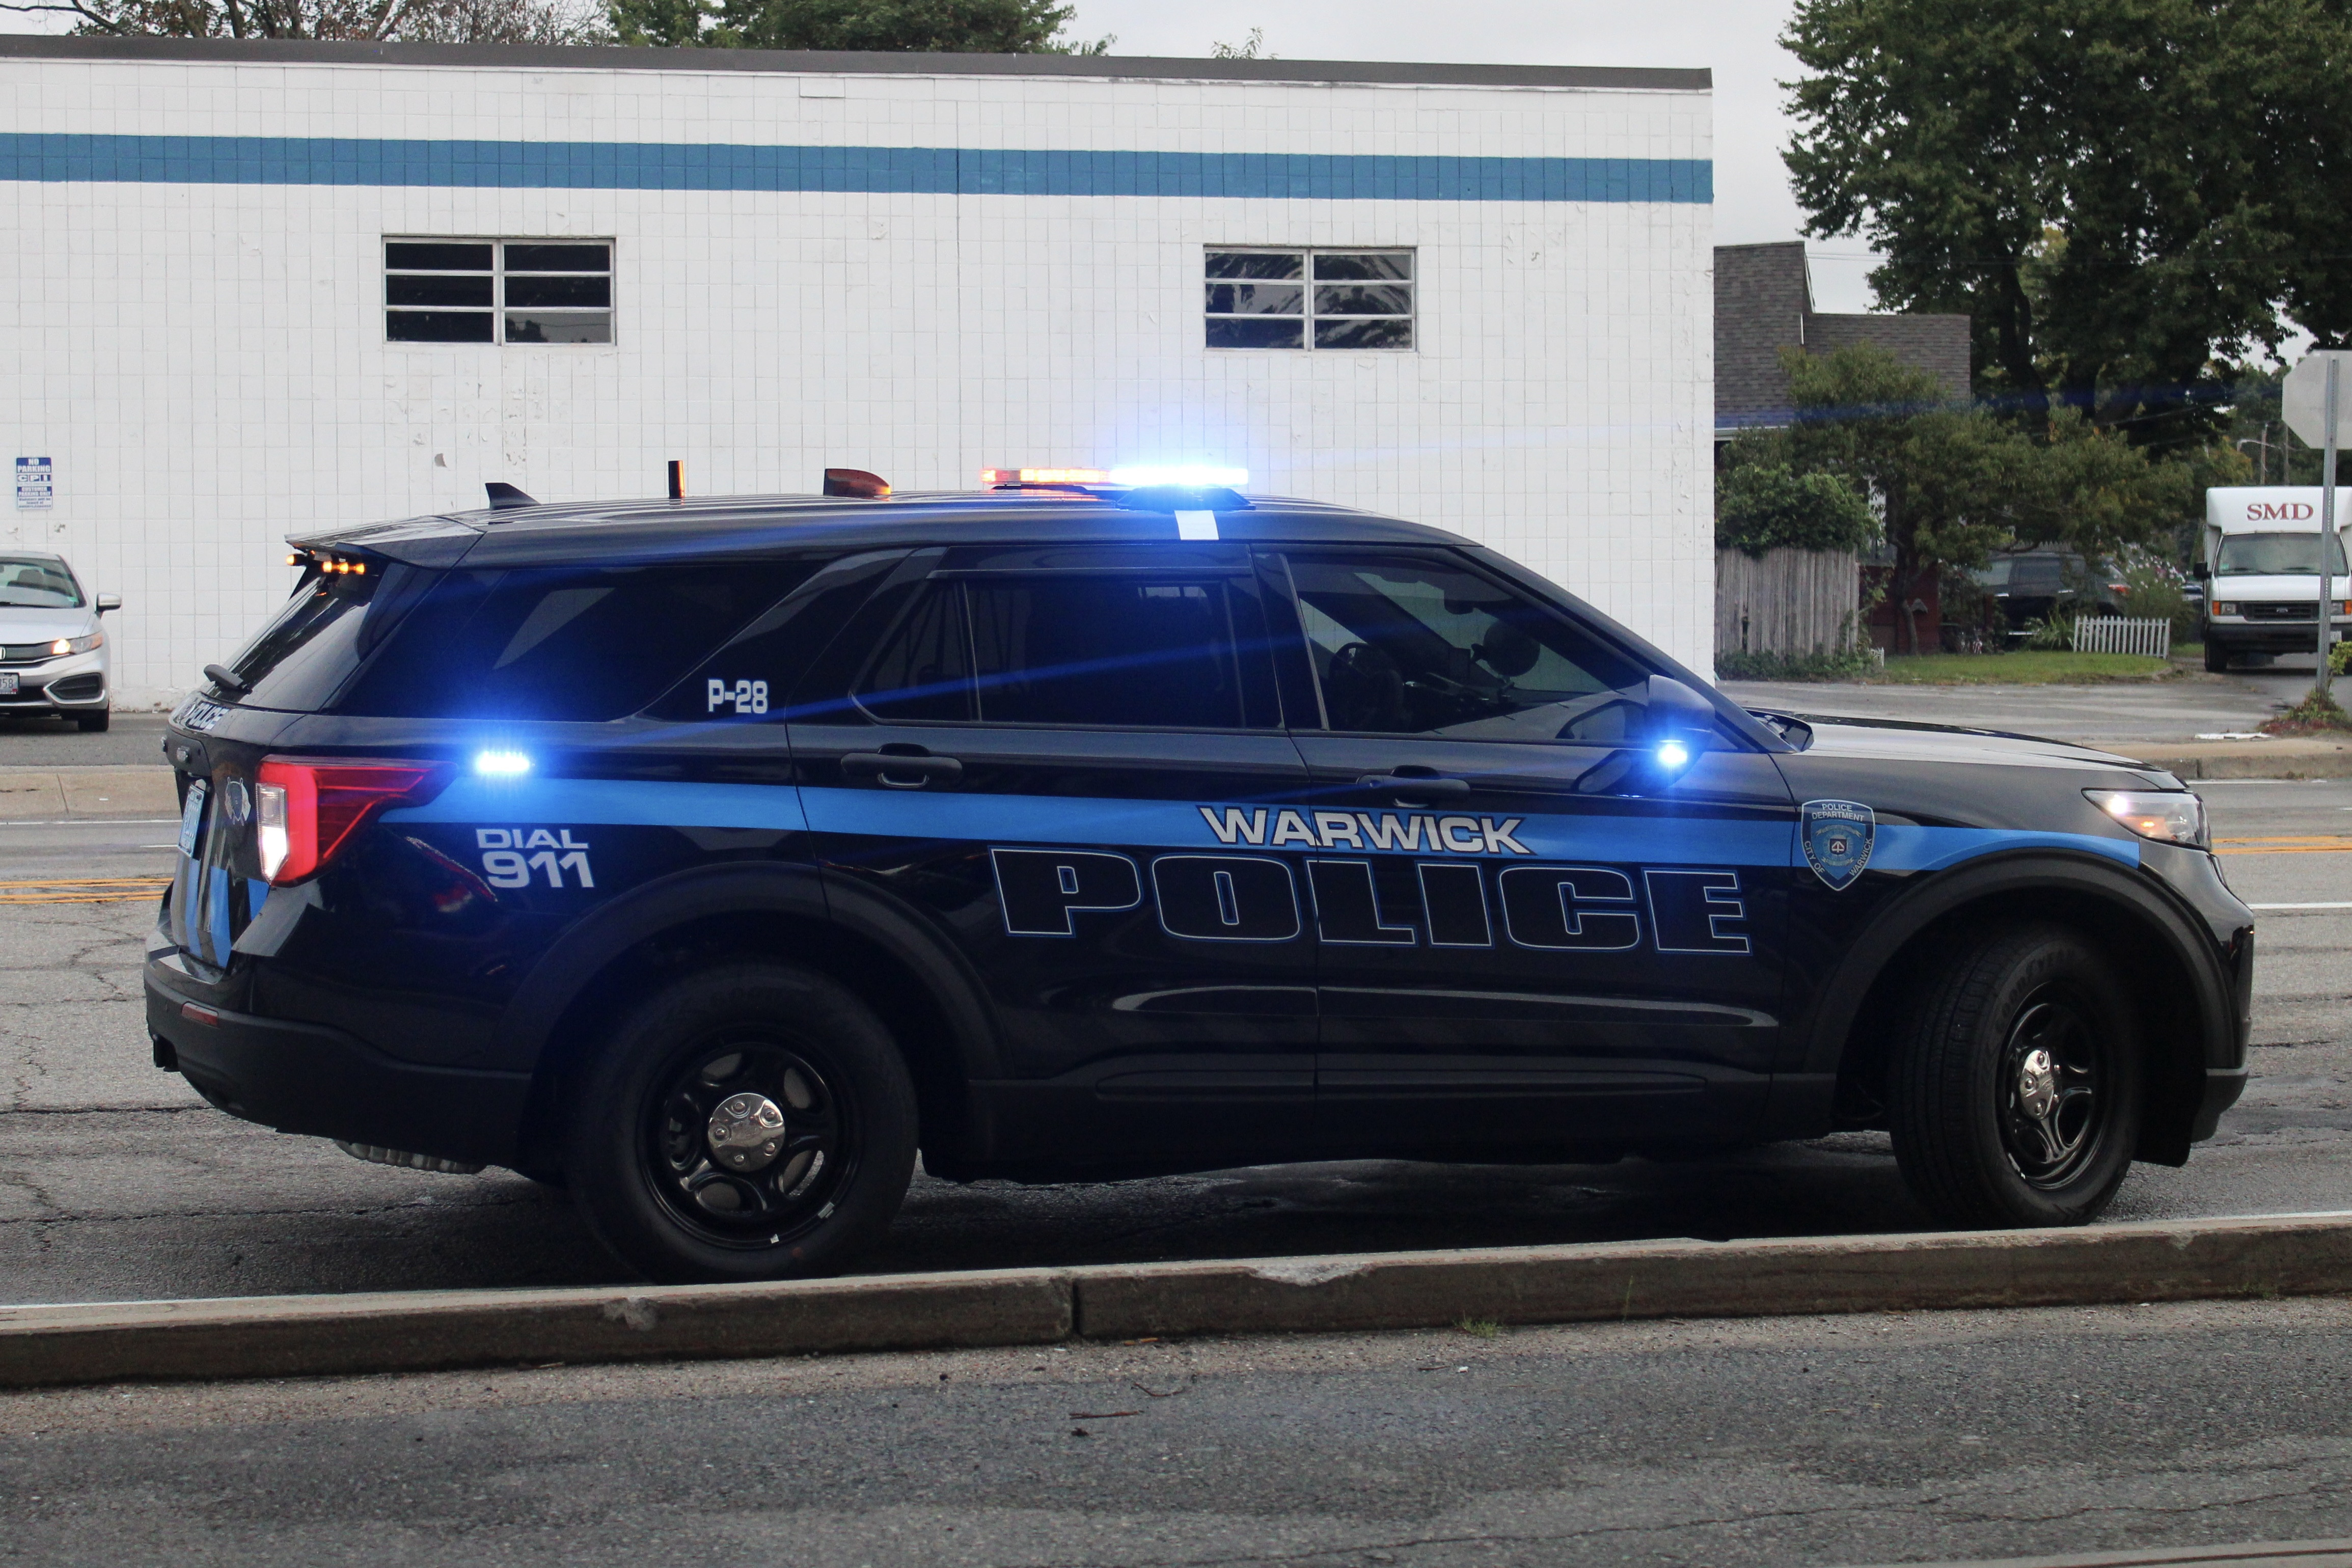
(1838,835)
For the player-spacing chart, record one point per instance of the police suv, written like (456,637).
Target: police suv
(712,857)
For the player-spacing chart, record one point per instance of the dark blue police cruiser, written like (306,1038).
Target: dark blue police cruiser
(711,857)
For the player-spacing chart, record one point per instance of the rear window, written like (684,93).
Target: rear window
(560,644)
(333,621)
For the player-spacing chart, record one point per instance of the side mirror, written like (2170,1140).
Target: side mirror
(2201,572)
(106,602)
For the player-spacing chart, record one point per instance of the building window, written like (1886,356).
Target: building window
(497,291)
(1310,298)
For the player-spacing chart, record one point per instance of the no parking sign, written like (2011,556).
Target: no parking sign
(36,485)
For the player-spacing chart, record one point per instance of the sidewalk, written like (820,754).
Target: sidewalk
(87,794)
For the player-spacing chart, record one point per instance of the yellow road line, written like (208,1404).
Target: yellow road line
(96,882)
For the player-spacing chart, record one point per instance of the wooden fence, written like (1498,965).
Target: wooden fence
(2123,634)
(1786,601)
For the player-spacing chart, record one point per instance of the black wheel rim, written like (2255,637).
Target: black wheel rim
(2053,1088)
(750,1140)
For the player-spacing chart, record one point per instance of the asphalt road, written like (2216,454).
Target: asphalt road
(1879,1439)
(2117,715)
(116,1183)
(132,738)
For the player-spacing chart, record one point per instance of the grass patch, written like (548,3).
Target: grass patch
(1479,1328)
(1851,665)
(2026,667)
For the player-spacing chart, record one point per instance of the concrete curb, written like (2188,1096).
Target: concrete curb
(2290,756)
(2252,1554)
(283,1336)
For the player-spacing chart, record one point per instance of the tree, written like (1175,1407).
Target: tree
(2102,185)
(1952,483)
(949,27)
(1762,503)
(400,21)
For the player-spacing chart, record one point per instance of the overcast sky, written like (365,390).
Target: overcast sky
(1735,38)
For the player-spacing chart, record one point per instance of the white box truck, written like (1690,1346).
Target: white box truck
(2261,570)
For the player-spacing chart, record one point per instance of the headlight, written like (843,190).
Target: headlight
(64,645)
(2167,816)
(2225,607)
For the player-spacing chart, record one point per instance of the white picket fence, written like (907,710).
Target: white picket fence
(2123,634)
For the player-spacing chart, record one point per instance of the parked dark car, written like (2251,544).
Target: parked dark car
(2027,586)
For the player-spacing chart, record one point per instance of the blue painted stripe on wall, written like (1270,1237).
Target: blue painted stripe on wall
(937,171)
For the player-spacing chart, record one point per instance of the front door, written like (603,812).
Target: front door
(1533,932)
(1031,758)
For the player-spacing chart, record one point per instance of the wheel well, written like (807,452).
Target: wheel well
(2143,958)
(905,1004)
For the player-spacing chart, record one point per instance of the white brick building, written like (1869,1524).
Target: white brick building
(920,265)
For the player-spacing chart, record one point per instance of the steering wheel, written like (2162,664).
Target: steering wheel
(1365,689)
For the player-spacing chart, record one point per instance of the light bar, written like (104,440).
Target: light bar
(1044,476)
(1182,479)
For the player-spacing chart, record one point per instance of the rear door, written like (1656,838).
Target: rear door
(1532,932)
(1031,757)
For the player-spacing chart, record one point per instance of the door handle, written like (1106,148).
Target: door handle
(900,770)
(1420,789)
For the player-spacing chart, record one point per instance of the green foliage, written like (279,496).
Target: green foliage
(1818,665)
(2154,590)
(2117,193)
(1250,48)
(402,21)
(2049,634)
(1762,505)
(943,27)
(2315,713)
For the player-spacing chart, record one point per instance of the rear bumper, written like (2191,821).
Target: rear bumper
(307,1077)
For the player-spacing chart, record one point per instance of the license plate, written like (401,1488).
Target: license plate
(192,818)
(7,683)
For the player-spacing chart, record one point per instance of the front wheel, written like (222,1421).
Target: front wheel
(750,1122)
(2015,1084)
(93,721)
(2216,658)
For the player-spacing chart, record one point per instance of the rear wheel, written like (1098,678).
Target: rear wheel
(754,1122)
(2216,658)
(94,721)
(2015,1083)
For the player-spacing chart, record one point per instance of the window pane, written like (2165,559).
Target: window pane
(1371,332)
(922,673)
(1123,651)
(560,292)
(1248,333)
(1256,300)
(541,326)
(559,258)
(1343,265)
(1356,299)
(1257,263)
(437,256)
(438,326)
(37,582)
(414,288)
(1412,645)
(560,644)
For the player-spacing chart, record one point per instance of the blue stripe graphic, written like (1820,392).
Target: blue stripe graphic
(48,156)
(1173,824)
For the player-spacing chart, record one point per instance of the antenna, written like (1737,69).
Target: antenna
(676,480)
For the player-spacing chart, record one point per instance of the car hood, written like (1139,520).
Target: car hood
(43,625)
(1895,740)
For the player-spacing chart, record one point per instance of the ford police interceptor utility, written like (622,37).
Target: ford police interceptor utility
(712,857)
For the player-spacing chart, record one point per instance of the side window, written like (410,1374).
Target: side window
(560,642)
(923,671)
(1413,644)
(1134,651)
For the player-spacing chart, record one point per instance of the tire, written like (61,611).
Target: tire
(2216,659)
(1963,1082)
(808,1080)
(91,722)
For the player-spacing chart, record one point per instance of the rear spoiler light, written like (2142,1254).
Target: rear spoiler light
(306,810)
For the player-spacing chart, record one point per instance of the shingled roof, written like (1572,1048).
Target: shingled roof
(1764,303)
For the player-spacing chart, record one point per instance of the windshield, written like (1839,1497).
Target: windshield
(37,582)
(2275,555)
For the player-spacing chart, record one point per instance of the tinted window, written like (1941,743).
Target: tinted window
(753,677)
(1134,652)
(924,670)
(2275,555)
(1406,644)
(560,644)
(332,622)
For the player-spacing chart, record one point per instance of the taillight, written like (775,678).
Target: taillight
(304,810)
